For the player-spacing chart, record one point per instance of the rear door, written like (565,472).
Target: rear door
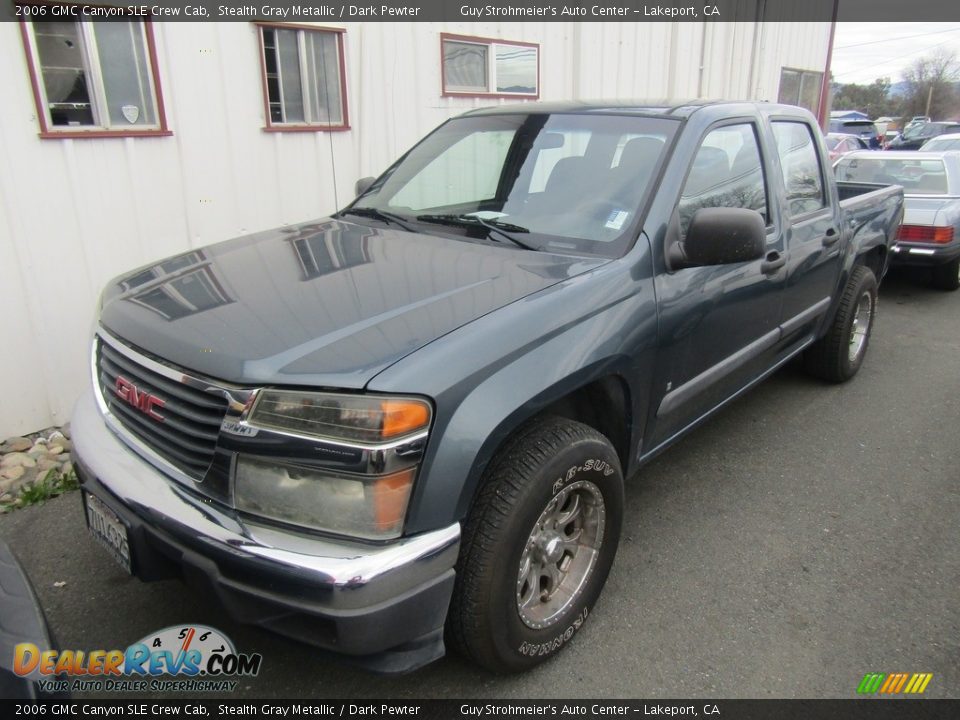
(811,231)
(719,323)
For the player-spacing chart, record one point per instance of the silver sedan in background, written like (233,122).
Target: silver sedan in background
(930,233)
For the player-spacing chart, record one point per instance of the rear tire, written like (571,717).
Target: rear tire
(537,546)
(947,276)
(838,355)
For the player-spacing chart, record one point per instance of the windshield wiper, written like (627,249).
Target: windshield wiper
(494,226)
(387,217)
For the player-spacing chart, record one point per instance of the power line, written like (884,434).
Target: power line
(890,60)
(905,37)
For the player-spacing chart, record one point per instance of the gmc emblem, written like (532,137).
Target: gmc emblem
(140,399)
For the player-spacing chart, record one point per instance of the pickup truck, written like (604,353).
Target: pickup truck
(408,426)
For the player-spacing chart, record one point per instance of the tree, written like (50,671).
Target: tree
(870,99)
(931,86)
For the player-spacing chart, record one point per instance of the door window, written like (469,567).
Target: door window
(726,172)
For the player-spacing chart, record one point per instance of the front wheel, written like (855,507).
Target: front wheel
(947,276)
(537,546)
(838,355)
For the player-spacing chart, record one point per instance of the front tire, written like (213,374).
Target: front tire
(537,546)
(947,276)
(838,355)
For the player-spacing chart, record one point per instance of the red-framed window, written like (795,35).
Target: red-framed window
(93,78)
(304,78)
(476,66)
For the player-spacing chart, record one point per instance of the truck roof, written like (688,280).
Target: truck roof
(676,107)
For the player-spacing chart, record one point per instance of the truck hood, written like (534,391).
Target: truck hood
(329,303)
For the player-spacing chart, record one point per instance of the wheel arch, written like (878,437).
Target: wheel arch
(603,402)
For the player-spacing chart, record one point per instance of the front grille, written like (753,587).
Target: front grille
(191,417)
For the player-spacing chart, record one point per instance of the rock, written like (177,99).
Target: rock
(66,431)
(17,458)
(54,436)
(46,463)
(67,468)
(54,450)
(15,444)
(37,451)
(64,443)
(10,477)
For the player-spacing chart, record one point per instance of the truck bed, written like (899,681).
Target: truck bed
(870,213)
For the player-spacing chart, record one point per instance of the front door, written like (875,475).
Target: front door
(718,324)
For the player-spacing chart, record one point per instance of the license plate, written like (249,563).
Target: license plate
(108,530)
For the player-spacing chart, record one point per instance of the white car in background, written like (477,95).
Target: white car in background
(950,141)
(929,235)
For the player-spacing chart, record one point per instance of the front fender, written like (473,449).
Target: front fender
(489,377)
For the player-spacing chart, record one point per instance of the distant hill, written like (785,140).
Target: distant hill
(897,89)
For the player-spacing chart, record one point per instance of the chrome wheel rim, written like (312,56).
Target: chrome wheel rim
(862,317)
(560,554)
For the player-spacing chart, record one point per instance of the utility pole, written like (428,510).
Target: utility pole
(929,99)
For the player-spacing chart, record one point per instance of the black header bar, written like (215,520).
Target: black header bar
(872,709)
(335,12)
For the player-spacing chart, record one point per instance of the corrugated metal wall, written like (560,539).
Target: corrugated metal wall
(74,213)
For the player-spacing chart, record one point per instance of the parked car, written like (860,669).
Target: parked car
(863,129)
(839,145)
(913,137)
(21,621)
(419,413)
(930,234)
(949,141)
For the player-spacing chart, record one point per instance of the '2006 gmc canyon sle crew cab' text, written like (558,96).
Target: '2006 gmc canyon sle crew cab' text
(408,425)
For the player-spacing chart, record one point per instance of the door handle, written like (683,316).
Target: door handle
(773,262)
(830,237)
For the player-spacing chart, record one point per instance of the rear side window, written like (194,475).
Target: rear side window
(726,172)
(858,128)
(800,166)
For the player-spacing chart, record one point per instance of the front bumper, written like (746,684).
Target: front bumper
(383,604)
(923,254)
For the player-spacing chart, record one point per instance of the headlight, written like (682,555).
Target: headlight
(358,418)
(371,507)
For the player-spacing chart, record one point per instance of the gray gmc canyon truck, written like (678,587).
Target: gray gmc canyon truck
(408,425)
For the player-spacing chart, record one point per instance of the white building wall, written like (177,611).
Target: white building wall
(74,213)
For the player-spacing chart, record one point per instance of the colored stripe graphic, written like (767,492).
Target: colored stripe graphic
(894,683)
(918,683)
(870,683)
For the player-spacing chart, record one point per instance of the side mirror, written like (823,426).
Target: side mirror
(720,236)
(363,184)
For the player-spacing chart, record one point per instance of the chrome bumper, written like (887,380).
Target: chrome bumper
(344,578)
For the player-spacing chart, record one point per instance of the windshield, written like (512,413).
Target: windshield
(918,177)
(560,183)
(924,130)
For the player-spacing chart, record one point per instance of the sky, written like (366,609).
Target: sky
(862,52)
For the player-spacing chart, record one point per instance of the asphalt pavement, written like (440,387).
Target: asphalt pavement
(804,536)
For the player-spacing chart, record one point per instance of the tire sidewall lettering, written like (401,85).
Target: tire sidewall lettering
(551,646)
(591,465)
